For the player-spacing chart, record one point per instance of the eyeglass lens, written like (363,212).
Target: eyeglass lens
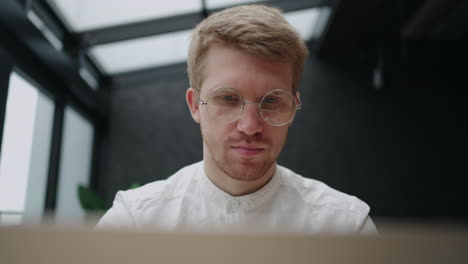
(276,108)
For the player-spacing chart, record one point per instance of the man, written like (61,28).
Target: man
(244,67)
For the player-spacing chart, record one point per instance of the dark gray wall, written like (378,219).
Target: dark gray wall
(150,136)
(395,148)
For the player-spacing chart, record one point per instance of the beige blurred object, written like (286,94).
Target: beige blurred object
(399,244)
(49,219)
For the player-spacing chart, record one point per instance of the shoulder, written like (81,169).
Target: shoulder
(172,186)
(331,204)
(318,193)
(129,205)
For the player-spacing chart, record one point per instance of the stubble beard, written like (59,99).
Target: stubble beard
(243,169)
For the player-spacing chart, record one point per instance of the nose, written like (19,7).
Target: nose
(250,122)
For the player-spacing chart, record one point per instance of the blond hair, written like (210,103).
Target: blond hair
(256,30)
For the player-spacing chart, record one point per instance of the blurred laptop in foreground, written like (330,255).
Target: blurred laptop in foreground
(396,244)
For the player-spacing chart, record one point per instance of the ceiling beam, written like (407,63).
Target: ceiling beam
(70,42)
(290,6)
(53,70)
(137,30)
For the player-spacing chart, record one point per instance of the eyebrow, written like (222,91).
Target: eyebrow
(289,89)
(256,99)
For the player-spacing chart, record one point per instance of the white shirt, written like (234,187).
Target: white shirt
(188,200)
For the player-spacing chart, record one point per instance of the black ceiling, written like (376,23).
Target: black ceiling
(358,25)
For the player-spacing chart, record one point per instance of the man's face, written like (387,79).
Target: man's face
(247,148)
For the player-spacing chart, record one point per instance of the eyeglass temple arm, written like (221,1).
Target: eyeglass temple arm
(201,101)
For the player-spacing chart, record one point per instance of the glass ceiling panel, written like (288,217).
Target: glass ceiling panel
(81,15)
(142,53)
(211,4)
(171,48)
(306,21)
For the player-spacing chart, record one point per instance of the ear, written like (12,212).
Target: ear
(298,101)
(193,103)
(298,97)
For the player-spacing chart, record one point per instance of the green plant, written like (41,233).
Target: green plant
(91,201)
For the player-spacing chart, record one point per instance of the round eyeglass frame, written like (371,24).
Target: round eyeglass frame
(258,104)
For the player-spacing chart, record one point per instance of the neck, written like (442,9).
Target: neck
(233,186)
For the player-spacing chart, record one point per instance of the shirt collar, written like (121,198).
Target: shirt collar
(229,203)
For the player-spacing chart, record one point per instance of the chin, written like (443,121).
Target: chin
(245,170)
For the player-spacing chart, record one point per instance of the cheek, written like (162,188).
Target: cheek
(214,133)
(278,136)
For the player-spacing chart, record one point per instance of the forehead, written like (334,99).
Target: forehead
(250,75)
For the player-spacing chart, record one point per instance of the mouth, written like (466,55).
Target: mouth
(248,150)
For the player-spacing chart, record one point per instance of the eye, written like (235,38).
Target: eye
(271,103)
(226,100)
(230,98)
(271,100)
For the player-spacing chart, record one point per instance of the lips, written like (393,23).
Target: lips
(248,150)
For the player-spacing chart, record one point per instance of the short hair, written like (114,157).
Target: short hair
(256,30)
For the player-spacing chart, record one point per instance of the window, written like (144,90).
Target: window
(25,151)
(75,166)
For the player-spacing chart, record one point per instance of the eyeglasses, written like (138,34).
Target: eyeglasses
(226,105)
